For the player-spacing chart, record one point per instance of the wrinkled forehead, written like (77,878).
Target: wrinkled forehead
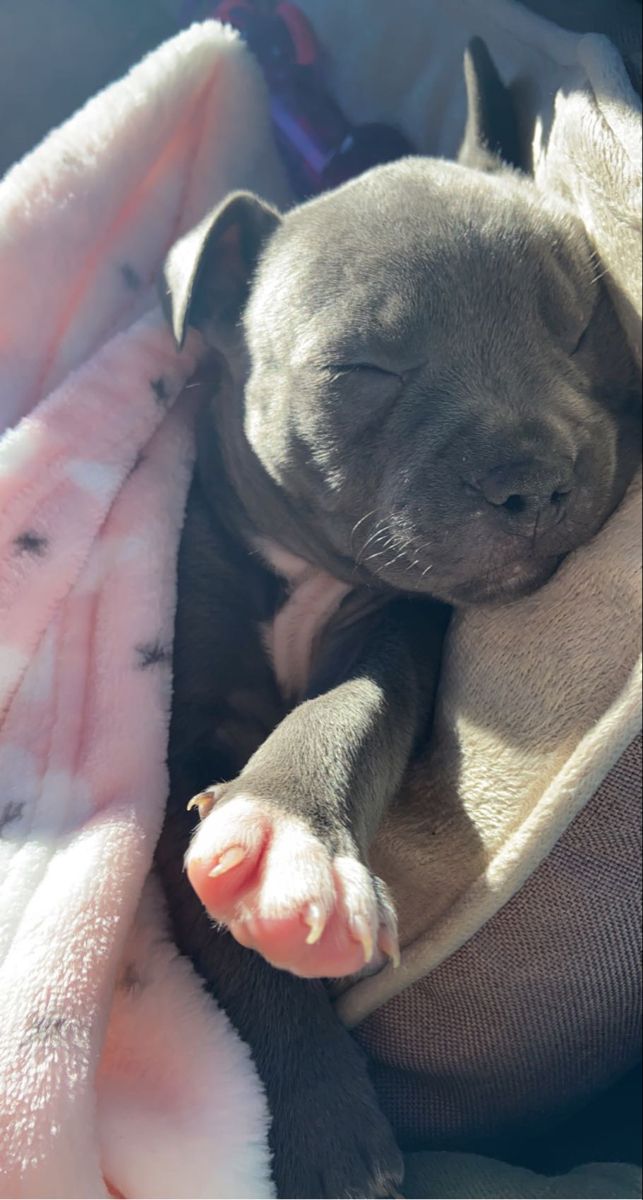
(376,308)
(383,265)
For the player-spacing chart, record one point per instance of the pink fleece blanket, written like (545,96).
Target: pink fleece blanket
(116,1073)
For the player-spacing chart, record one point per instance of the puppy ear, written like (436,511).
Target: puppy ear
(206,275)
(491,139)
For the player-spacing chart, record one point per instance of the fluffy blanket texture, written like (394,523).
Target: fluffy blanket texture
(115,1070)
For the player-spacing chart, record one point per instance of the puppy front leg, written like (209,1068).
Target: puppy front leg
(281,857)
(328,1136)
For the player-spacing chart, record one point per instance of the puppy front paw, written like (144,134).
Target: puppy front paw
(277,886)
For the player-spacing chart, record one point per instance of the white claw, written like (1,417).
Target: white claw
(316,922)
(229,859)
(362,933)
(204,802)
(388,944)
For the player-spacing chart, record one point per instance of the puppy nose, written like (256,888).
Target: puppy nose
(532,492)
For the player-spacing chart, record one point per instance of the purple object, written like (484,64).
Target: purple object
(319,146)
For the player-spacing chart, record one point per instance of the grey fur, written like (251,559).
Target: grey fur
(420,385)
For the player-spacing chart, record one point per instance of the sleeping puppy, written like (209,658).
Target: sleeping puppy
(420,397)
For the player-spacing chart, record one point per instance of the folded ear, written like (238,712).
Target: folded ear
(207,274)
(491,139)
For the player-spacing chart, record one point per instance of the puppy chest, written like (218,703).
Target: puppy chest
(292,635)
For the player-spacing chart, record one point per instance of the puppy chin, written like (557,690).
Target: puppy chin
(508,584)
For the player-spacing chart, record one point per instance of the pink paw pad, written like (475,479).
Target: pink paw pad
(280,891)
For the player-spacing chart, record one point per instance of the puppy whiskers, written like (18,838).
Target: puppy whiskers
(378,533)
(398,556)
(361,522)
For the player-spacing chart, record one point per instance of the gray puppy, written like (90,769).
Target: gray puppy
(421,396)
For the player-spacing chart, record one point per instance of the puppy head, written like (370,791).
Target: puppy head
(430,369)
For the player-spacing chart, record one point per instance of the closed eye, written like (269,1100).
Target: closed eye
(339,370)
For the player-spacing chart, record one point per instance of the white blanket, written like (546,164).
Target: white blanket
(117,1073)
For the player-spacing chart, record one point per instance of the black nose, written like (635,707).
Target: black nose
(533,493)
